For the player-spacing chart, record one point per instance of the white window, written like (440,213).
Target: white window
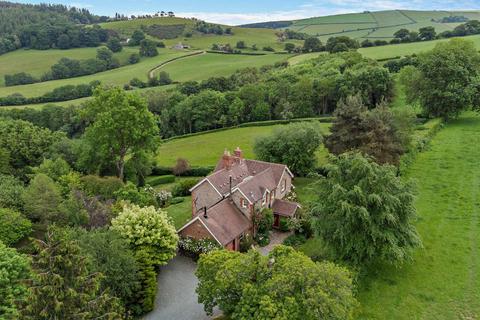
(284,184)
(264,199)
(243,203)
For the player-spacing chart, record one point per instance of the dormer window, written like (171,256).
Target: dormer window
(243,203)
(284,184)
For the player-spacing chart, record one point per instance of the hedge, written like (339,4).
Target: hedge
(155,181)
(421,142)
(326,119)
(192,172)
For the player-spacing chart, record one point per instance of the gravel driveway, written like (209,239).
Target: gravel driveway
(176,298)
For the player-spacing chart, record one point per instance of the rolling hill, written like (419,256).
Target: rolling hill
(371,25)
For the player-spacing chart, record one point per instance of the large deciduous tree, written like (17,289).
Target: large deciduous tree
(14,269)
(294,145)
(364,212)
(286,284)
(446,80)
(121,126)
(62,287)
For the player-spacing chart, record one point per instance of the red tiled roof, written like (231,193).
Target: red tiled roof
(284,208)
(225,221)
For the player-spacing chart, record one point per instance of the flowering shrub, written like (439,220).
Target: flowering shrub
(162,197)
(197,247)
(291,196)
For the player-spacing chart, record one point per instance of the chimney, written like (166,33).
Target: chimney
(238,153)
(205,213)
(227,160)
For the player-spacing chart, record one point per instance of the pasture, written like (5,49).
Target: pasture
(443,280)
(37,62)
(205,149)
(377,24)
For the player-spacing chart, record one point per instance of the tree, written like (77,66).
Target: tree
(111,256)
(121,126)
(42,199)
(63,42)
(241,45)
(334,44)
(13,226)
(11,191)
(114,44)
(294,145)
(446,80)
(136,38)
(14,269)
(54,169)
(377,132)
(62,287)
(153,238)
(427,33)
(289,47)
(286,284)
(164,78)
(181,167)
(134,58)
(148,48)
(312,44)
(402,34)
(364,212)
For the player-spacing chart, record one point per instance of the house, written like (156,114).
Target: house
(225,202)
(181,46)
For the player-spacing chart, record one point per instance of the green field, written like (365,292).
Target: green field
(404,49)
(213,65)
(37,62)
(443,281)
(206,149)
(377,24)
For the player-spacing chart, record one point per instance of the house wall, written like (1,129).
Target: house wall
(204,196)
(196,231)
(279,194)
(236,196)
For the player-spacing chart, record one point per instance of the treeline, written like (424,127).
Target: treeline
(69,68)
(47,26)
(63,93)
(211,28)
(426,34)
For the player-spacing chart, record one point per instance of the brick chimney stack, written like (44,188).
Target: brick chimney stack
(227,160)
(238,153)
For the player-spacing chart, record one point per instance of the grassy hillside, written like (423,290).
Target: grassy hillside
(442,282)
(260,37)
(205,149)
(37,62)
(376,25)
(404,49)
(212,65)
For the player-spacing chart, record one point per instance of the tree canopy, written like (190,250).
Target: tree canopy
(294,145)
(283,285)
(364,212)
(121,126)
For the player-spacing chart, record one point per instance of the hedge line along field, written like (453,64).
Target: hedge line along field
(443,281)
(205,149)
(37,62)
(202,67)
(404,49)
(377,24)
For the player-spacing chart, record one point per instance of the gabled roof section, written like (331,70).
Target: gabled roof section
(254,187)
(285,208)
(225,221)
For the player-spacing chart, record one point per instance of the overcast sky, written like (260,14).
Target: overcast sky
(247,11)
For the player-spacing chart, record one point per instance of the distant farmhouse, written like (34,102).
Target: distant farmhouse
(180,46)
(224,203)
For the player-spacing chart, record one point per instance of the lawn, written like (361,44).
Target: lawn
(37,62)
(181,212)
(443,281)
(206,149)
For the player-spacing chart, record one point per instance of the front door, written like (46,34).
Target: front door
(276,220)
